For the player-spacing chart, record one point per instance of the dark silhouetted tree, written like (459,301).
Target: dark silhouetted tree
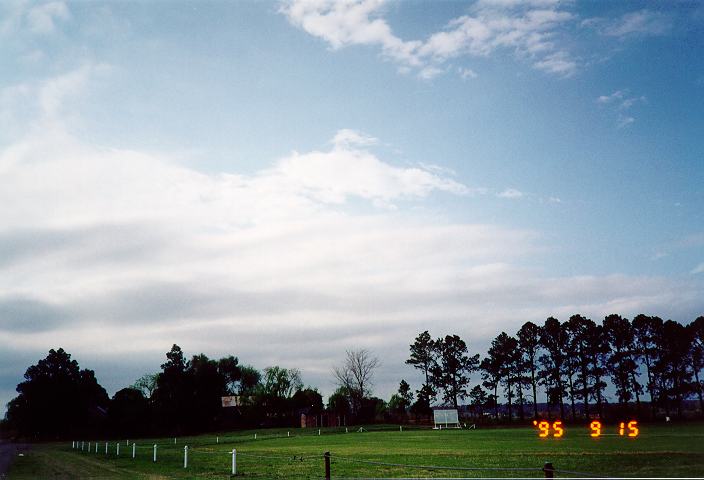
(57,399)
(529,343)
(454,366)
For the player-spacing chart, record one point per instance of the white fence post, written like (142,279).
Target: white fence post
(117,454)
(217,439)
(174,440)
(96,447)
(88,447)
(106,448)
(400,428)
(185,456)
(234,461)
(318,432)
(155,452)
(255,436)
(134,451)
(288,434)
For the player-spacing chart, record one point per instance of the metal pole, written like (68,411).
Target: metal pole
(134,446)
(117,454)
(155,452)
(185,456)
(106,448)
(234,461)
(326,455)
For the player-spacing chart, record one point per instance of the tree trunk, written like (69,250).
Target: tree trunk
(699,391)
(574,412)
(535,393)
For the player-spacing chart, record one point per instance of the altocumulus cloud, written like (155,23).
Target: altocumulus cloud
(115,254)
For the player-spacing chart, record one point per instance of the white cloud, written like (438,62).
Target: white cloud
(558,63)
(39,18)
(510,193)
(348,137)
(642,22)
(42,18)
(525,28)
(621,102)
(466,73)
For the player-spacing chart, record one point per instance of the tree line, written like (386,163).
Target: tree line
(569,367)
(57,399)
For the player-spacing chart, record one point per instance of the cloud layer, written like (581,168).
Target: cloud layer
(115,254)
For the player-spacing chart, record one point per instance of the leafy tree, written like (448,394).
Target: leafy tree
(424,397)
(308,399)
(339,403)
(57,399)
(423,355)
(673,365)
(249,380)
(206,386)
(454,365)
(402,400)
(229,368)
(570,365)
(129,413)
(581,329)
(529,343)
(622,368)
(598,348)
(552,340)
(647,332)
(507,357)
(477,400)
(491,374)
(173,391)
(696,352)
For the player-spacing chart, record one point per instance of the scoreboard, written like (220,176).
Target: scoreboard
(596,429)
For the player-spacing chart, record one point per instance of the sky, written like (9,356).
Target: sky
(284,181)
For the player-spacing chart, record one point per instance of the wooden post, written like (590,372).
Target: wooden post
(327,465)
(549,470)
(234,461)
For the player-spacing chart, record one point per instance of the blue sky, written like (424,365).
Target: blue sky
(284,181)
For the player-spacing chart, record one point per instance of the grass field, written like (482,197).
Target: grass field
(659,451)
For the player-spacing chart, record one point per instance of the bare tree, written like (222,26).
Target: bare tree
(356,375)
(146,384)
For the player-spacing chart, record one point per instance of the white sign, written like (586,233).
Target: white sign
(231,401)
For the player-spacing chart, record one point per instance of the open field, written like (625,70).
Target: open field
(659,451)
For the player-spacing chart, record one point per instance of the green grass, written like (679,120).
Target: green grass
(659,451)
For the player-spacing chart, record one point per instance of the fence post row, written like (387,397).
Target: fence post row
(326,455)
